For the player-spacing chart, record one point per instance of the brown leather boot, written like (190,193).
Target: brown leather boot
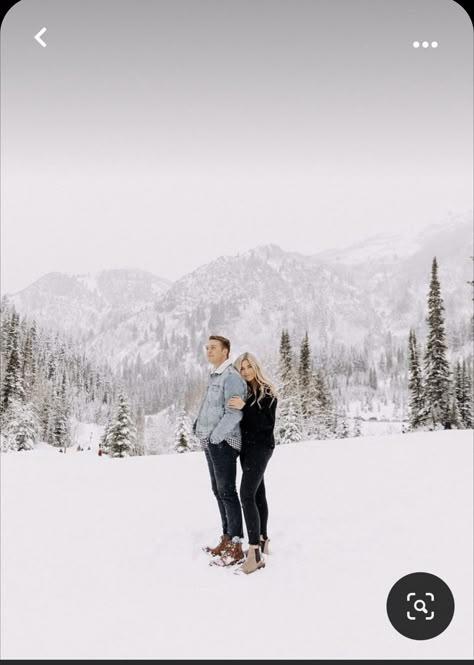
(233,552)
(220,547)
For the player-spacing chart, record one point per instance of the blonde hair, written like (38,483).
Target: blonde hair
(264,385)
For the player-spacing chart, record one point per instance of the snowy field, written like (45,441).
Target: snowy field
(101,558)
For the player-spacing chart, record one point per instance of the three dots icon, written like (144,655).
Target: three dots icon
(425,44)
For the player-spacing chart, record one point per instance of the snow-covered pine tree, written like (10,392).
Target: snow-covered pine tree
(21,429)
(343,429)
(140,425)
(61,427)
(45,412)
(28,370)
(13,387)
(455,418)
(324,421)
(288,426)
(357,431)
(464,396)
(121,438)
(437,380)
(104,438)
(183,442)
(307,388)
(415,383)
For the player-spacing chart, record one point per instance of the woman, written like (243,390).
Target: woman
(258,443)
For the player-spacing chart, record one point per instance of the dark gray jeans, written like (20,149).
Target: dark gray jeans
(254,459)
(222,462)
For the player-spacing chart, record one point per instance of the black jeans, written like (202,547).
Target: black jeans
(254,459)
(222,462)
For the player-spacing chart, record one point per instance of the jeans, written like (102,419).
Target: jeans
(254,459)
(222,462)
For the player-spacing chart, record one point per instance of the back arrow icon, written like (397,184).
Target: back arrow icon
(38,37)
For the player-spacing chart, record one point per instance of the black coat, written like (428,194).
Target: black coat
(258,421)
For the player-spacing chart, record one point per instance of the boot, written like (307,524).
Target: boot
(254,560)
(220,547)
(264,545)
(233,552)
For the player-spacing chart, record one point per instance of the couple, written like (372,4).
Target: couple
(237,416)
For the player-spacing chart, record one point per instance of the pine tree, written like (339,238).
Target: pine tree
(307,389)
(324,421)
(290,428)
(20,431)
(455,418)
(29,362)
(357,427)
(61,426)
(286,366)
(105,437)
(288,424)
(464,396)
(182,432)
(415,383)
(122,433)
(437,380)
(305,378)
(343,430)
(13,387)
(45,416)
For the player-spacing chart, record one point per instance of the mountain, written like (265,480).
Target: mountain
(391,248)
(86,305)
(355,297)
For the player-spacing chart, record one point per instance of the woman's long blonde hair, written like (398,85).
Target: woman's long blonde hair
(264,385)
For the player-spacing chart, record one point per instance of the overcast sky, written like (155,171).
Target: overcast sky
(160,134)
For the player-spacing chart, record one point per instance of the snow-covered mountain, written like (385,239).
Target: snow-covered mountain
(391,248)
(85,305)
(348,296)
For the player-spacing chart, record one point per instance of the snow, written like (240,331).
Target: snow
(85,434)
(101,557)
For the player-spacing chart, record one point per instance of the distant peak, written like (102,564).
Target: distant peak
(268,251)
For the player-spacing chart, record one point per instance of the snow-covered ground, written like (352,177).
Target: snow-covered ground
(101,558)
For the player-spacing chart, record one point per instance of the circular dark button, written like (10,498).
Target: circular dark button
(420,606)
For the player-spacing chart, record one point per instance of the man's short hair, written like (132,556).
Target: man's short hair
(224,341)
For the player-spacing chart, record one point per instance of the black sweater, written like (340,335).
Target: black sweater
(258,421)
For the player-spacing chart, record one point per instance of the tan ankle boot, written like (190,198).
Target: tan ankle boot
(254,560)
(220,547)
(264,545)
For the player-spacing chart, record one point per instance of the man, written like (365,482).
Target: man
(218,428)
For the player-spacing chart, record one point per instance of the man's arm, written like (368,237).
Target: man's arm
(233,385)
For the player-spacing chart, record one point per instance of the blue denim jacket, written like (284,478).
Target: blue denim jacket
(215,419)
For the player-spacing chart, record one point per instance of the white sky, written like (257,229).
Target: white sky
(163,137)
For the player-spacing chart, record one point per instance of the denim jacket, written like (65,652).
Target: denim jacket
(215,419)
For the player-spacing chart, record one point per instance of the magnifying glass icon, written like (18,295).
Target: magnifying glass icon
(422,607)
